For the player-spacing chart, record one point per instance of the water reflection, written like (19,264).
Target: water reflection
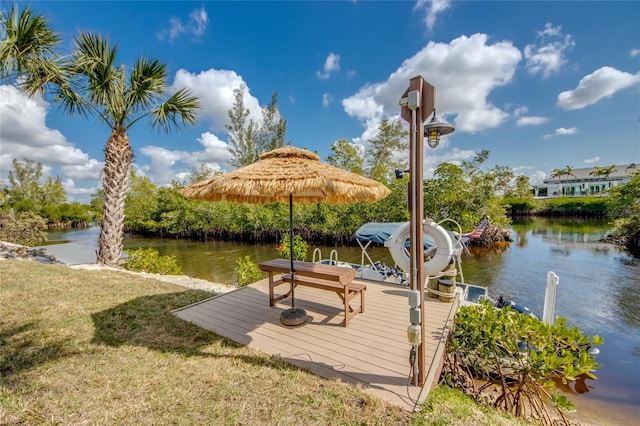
(599,292)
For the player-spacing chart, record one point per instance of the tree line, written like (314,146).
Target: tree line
(27,192)
(465,193)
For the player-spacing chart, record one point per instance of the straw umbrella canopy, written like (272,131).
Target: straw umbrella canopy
(288,174)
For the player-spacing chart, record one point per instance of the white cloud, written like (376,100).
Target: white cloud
(22,120)
(327,98)
(165,165)
(88,171)
(520,110)
(531,121)
(215,152)
(195,26)
(566,131)
(593,160)
(432,8)
(162,160)
(547,136)
(363,105)
(464,72)
(70,187)
(602,83)
(25,133)
(537,178)
(549,55)
(331,64)
(198,20)
(634,52)
(215,90)
(371,131)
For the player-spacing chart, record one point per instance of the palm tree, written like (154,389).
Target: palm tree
(603,171)
(27,50)
(91,84)
(596,172)
(558,173)
(568,171)
(98,87)
(606,171)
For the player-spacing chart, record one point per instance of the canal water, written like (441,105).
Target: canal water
(599,285)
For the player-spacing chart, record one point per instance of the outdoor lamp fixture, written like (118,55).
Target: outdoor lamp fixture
(436,128)
(400,173)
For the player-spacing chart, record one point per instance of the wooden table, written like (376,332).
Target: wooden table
(325,277)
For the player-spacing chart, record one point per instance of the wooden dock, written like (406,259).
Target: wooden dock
(372,351)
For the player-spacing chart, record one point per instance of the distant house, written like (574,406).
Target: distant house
(586,181)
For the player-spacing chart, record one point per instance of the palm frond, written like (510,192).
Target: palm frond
(180,109)
(27,49)
(70,101)
(94,60)
(148,78)
(146,84)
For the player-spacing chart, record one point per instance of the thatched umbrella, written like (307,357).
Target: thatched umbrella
(288,174)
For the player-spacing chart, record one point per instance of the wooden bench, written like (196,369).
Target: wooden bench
(324,277)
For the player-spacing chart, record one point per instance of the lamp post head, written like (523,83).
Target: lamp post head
(436,128)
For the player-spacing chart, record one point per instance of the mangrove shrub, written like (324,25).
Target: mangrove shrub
(150,261)
(521,360)
(247,271)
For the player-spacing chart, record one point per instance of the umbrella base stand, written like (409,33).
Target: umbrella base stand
(293,317)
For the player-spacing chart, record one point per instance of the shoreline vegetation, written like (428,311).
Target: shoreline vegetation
(465,193)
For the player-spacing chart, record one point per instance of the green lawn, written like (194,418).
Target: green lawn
(101,348)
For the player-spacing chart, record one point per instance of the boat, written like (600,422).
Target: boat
(443,253)
(368,269)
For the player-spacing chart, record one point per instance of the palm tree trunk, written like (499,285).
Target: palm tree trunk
(117,164)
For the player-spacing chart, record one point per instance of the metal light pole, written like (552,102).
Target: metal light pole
(417,104)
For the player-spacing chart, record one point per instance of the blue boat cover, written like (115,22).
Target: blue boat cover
(378,232)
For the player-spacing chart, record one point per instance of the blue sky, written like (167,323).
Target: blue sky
(541,85)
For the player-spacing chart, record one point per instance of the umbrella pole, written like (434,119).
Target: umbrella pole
(293,271)
(293,316)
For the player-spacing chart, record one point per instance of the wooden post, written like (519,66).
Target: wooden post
(426,105)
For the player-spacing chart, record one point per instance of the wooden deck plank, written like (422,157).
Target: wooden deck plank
(372,351)
(328,343)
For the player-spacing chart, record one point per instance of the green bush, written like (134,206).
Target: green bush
(624,204)
(520,204)
(25,228)
(149,260)
(521,359)
(300,247)
(247,271)
(575,205)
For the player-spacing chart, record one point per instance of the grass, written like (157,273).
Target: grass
(449,407)
(101,348)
